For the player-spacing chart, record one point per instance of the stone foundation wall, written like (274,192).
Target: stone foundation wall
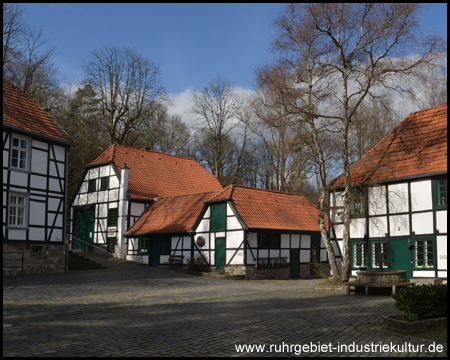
(38,259)
(277,273)
(281,273)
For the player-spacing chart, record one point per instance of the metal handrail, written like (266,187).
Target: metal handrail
(98,248)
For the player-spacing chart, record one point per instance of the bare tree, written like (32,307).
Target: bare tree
(128,87)
(28,58)
(164,132)
(429,87)
(217,106)
(372,120)
(343,53)
(79,116)
(287,161)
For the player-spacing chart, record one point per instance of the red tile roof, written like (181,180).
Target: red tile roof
(171,214)
(418,145)
(152,174)
(267,209)
(22,112)
(258,208)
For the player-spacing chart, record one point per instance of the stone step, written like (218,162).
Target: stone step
(79,262)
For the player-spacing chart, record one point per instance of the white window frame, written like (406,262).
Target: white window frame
(20,150)
(13,210)
(382,255)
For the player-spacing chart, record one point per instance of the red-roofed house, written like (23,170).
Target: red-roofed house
(241,230)
(119,185)
(399,200)
(34,184)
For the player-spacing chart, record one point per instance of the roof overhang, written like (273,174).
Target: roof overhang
(37,135)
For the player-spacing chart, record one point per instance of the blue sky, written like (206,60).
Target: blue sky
(191,42)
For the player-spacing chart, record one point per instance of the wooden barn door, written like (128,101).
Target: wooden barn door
(155,253)
(294,263)
(83,229)
(220,253)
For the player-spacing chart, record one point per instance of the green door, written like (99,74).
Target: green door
(400,256)
(294,263)
(220,254)
(155,253)
(83,229)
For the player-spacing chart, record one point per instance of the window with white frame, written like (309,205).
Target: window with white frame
(20,152)
(424,253)
(18,204)
(379,254)
(358,254)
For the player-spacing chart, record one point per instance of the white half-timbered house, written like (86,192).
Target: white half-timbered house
(119,185)
(399,200)
(240,230)
(34,185)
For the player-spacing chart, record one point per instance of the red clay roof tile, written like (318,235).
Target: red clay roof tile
(171,215)
(152,174)
(258,208)
(23,113)
(267,209)
(418,145)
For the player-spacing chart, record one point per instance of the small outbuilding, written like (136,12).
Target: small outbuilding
(241,230)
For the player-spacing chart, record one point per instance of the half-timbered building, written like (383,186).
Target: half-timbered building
(119,185)
(34,184)
(399,200)
(240,230)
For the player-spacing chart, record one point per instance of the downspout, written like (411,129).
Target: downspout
(66,176)
(122,212)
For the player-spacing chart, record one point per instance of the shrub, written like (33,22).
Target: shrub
(422,302)
(199,263)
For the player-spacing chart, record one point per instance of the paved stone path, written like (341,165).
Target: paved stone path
(132,310)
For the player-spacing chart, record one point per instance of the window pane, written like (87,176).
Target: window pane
(112,217)
(429,253)
(419,253)
(23,144)
(442,191)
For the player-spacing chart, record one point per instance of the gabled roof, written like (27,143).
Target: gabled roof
(258,209)
(418,145)
(268,209)
(23,113)
(152,174)
(171,215)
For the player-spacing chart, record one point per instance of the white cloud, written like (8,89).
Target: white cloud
(182,103)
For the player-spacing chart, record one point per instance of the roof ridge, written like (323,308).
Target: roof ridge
(430,114)
(155,152)
(183,195)
(268,190)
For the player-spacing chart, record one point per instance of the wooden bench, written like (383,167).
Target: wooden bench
(176,259)
(366,286)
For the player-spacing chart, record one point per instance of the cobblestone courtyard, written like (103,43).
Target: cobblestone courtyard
(132,310)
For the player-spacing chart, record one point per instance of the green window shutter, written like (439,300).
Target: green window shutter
(218,217)
(112,217)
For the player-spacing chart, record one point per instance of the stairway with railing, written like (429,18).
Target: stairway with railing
(78,260)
